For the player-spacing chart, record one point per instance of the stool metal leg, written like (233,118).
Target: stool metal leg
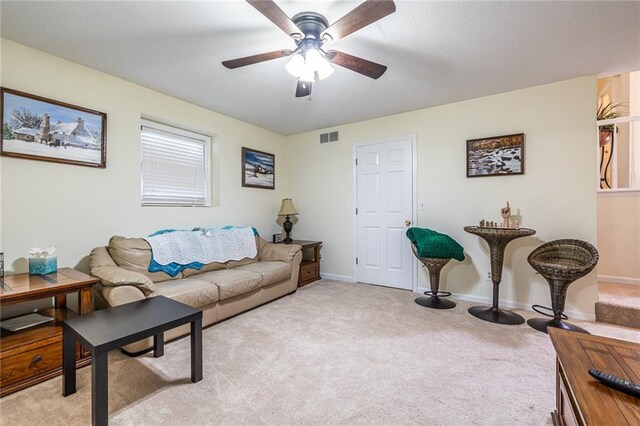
(558,297)
(433,298)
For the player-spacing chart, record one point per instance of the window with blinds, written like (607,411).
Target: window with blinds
(175,166)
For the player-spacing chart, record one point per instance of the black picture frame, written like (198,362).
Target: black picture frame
(496,156)
(73,134)
(258,169)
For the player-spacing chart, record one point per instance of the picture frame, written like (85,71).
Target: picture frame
(496,156)
(38,128)
(258,169)
(277,238)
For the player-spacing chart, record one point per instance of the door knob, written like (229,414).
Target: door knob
(407,222)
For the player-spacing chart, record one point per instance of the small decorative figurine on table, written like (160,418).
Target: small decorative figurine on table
(505,212)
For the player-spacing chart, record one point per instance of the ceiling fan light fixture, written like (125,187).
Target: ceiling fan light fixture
(308,75)
(318,63)
(296,65)
(324,69)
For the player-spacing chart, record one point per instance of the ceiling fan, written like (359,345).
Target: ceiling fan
(311,32)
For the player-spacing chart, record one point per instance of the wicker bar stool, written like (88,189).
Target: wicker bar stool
(433,298)
(561,262)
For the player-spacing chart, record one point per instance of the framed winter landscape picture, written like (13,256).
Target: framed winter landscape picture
(43,129)
(258,169)
(496,156)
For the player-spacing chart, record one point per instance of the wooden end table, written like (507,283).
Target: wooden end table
(34,355)
(583,400)
(497,238)
(111,328)
(310,265)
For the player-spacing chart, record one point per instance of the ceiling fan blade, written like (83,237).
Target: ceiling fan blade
(273,13)
(367,13)
(303,89)
(359,65)
(254,59)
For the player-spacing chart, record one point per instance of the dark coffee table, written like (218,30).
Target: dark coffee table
(102,331)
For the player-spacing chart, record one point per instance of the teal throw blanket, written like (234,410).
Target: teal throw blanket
(433,244)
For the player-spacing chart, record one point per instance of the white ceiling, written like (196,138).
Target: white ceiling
(437,52)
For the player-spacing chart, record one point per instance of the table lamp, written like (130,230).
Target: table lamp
(287,210)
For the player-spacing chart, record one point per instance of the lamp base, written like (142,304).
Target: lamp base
(287,225)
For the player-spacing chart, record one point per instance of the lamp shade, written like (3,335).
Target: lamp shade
(287,208)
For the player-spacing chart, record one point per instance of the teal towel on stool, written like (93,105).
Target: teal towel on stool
(433,244)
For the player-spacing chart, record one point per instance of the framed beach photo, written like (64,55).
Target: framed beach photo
(38,128)
(496,156)
(258,169)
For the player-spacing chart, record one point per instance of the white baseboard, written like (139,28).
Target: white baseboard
(618,280)
(513,305)
(336,277)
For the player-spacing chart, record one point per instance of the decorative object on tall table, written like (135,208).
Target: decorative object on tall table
(507,222)
(434,250)
(287,210)
(561,262)
(277,238)
(42,261)
(606,142)
(258,169)
(38,128)
(496,156)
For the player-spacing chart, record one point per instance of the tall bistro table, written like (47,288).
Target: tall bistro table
(497,238)
(110,328)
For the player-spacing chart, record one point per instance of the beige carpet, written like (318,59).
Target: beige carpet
(618,304)
(333,353)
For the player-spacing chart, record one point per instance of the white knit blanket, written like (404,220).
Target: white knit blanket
(217,245)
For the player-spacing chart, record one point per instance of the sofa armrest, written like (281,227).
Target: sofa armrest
(281,252)
(110,275)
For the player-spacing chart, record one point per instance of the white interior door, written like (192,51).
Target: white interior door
(384,202)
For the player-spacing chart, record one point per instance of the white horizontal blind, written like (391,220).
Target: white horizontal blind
(175,166)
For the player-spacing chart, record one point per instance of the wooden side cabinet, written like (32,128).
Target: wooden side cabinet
(310,265)
(34,355)
(582,400)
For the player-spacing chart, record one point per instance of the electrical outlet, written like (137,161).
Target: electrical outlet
(489,276)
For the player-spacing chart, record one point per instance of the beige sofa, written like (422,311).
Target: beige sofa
(221,290)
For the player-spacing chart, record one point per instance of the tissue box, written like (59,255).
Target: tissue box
(43,265)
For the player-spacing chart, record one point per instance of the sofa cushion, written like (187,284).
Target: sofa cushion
(232,282)
(209,267)
(272,271)
(192,291)
(134,254)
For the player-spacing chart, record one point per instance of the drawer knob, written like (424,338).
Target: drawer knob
(37,358)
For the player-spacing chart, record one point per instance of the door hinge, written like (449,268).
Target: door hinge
(356,260)
(356,161)
(356,210)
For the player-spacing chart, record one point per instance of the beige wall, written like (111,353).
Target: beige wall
(619,235)
(556,196)
(78,208)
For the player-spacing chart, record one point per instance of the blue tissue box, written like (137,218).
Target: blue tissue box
(43,265)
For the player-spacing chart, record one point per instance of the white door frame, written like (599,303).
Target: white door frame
(414,195)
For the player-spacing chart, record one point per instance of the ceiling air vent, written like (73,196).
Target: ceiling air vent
(329,137)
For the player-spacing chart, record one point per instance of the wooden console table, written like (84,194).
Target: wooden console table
(583,400)
(310,266)
(34,355)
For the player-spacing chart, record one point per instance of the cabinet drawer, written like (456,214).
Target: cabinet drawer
(308,272)
(30,363)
